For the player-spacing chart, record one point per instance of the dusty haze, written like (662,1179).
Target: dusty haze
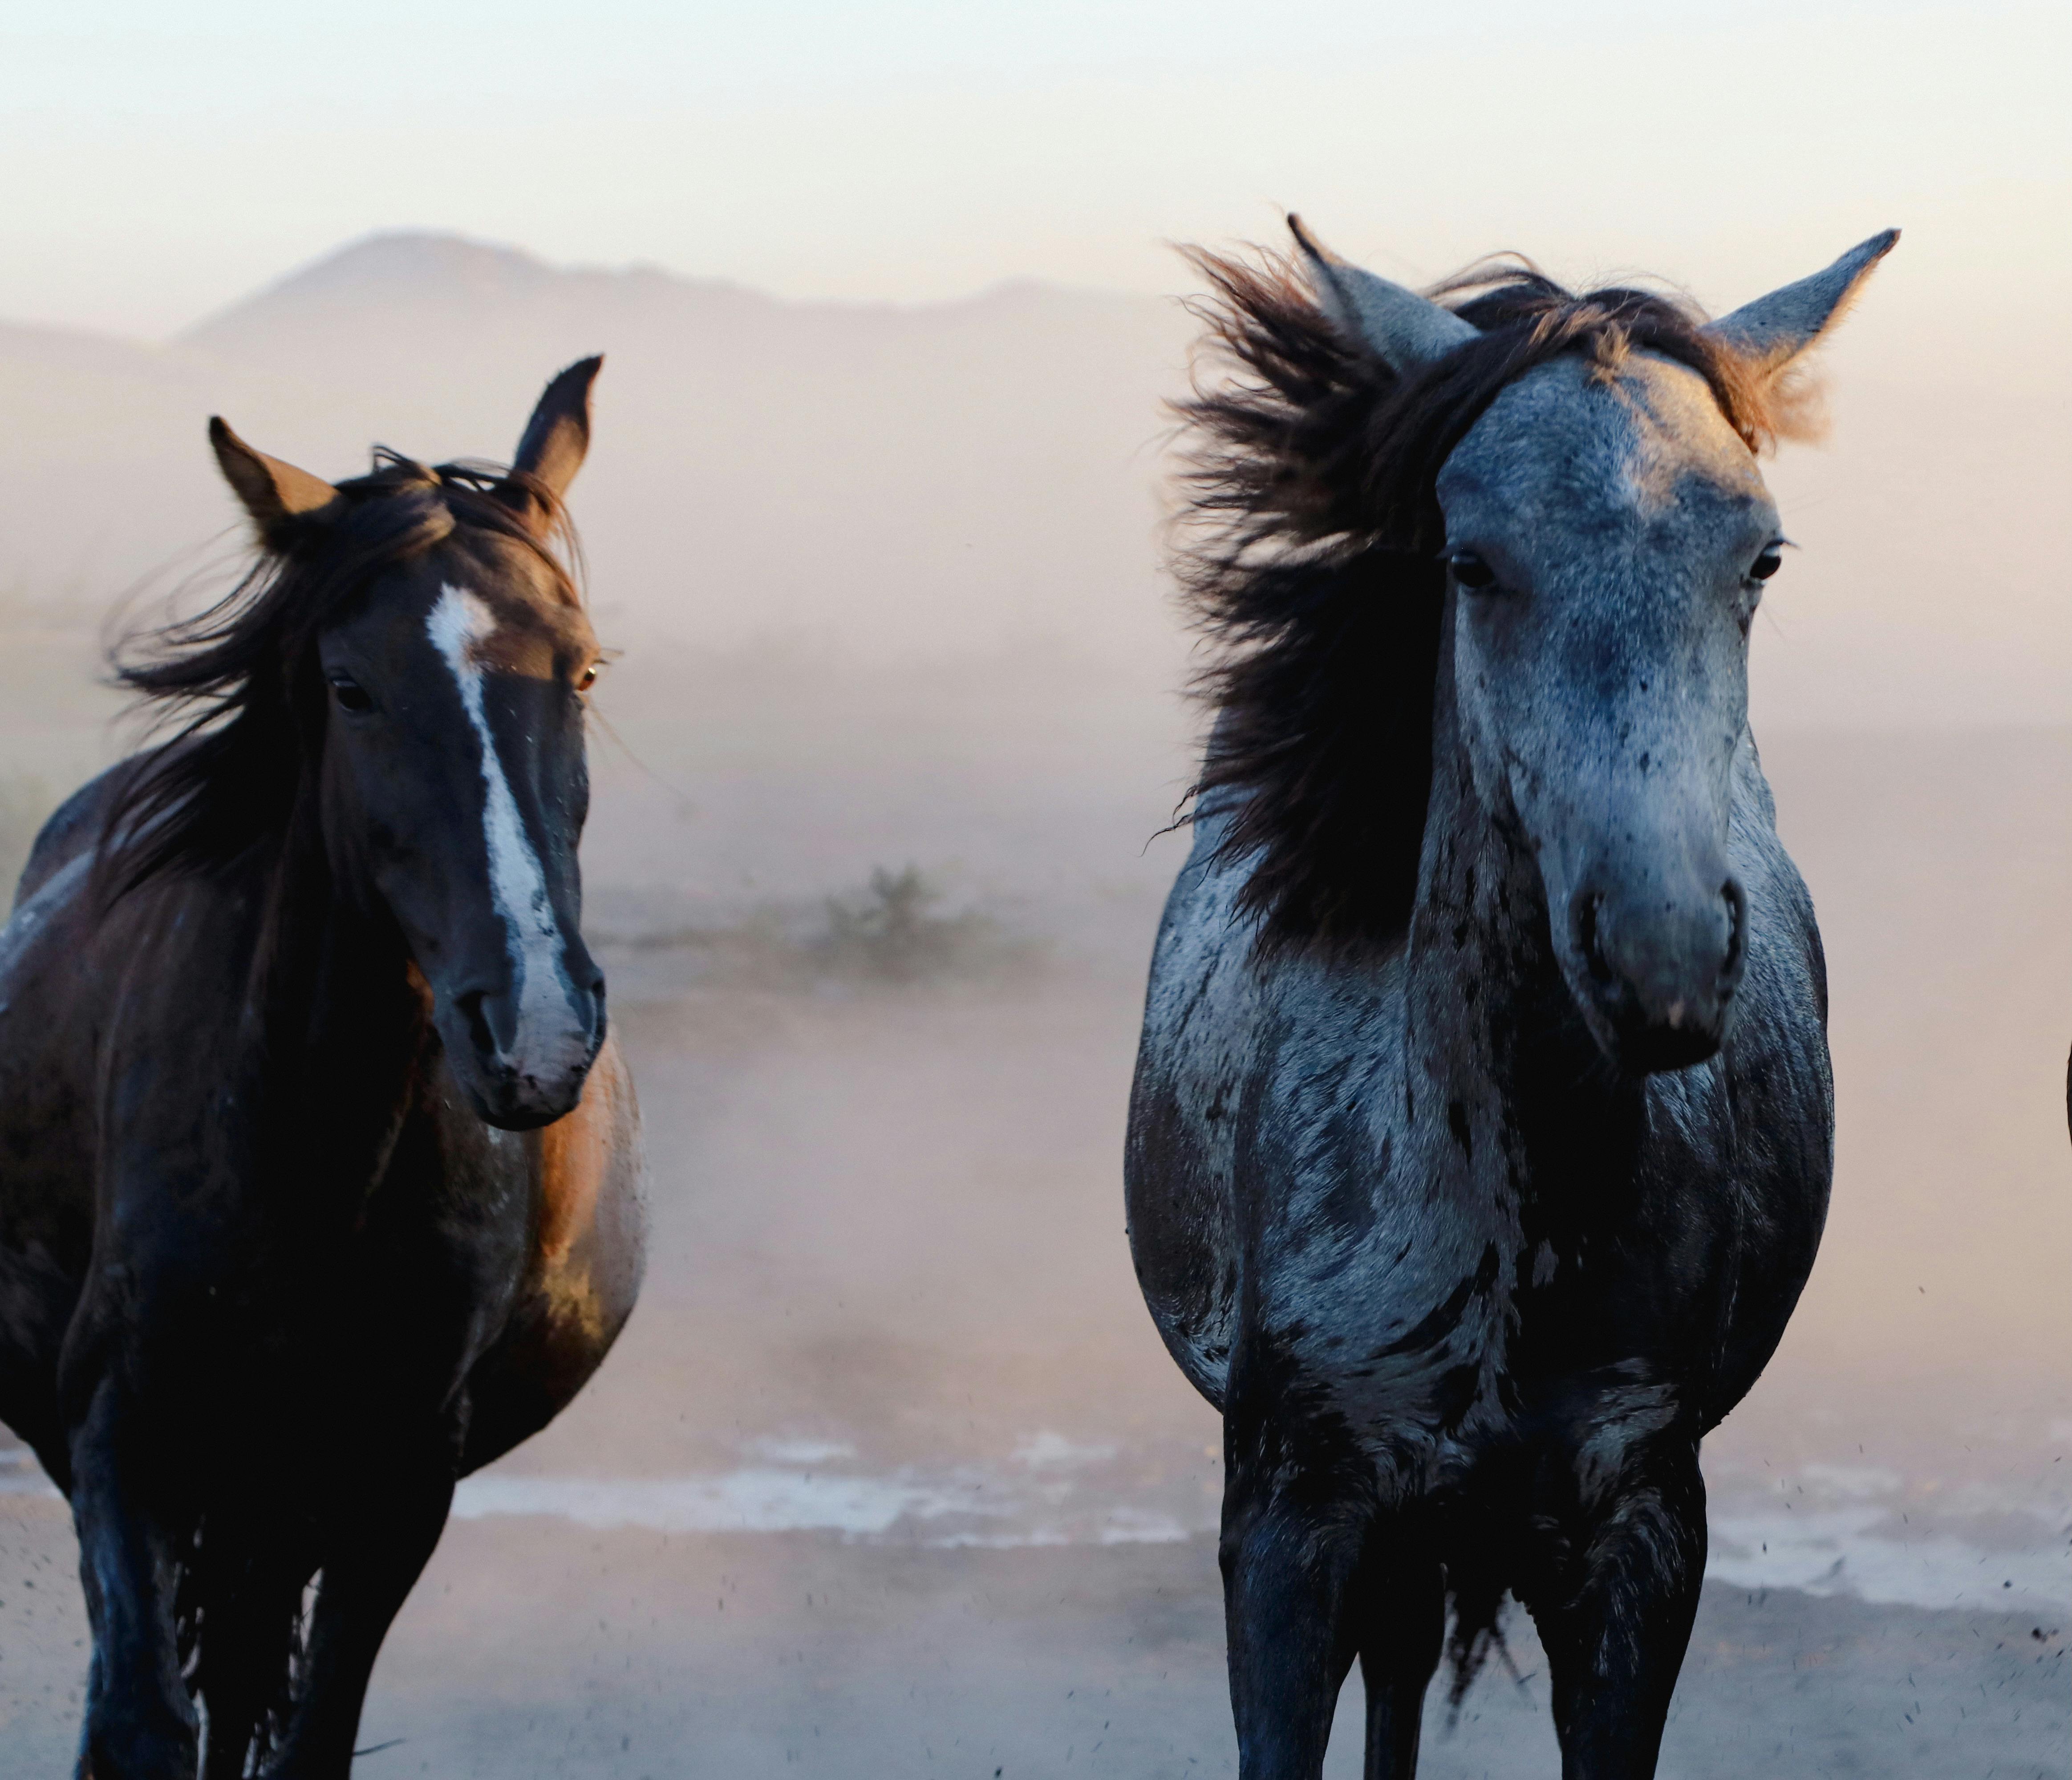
(886,579)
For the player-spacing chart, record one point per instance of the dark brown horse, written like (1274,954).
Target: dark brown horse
(319,1178)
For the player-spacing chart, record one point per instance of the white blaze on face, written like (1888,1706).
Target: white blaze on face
(552,1034)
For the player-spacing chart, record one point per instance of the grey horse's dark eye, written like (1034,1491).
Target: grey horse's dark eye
(1767,563)
(1471,572)
(349,694)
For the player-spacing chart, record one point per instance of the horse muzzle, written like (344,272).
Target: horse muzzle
(1655,972)
(520,1069)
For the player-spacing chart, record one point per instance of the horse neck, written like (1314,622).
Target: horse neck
(1548,1136)
(1491,1008)
(335,1017)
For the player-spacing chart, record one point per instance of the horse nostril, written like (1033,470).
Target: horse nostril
(1588,941)
(1737,902)
(473,1006)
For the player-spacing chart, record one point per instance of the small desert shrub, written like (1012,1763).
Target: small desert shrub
(891,931)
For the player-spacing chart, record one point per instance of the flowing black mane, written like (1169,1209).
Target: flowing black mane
(1315,565)
(239,684)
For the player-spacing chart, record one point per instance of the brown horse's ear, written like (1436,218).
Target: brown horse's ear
(556,438)
(281,498)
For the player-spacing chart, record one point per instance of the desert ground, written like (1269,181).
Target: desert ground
(536,1652)
(889,1474)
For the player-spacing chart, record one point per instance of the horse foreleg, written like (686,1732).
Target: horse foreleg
(1291,1551)
(1618,1623)
(1403,1623)
(370,1565)
(250,1612)
(140,1722)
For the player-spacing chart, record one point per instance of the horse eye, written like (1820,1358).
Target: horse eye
(349,694)
(1471,572)
(587,678)
(1767,563)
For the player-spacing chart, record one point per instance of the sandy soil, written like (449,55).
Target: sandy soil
(889,1223)
(534,1648)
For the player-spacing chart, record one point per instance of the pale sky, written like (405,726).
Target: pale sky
(161,162)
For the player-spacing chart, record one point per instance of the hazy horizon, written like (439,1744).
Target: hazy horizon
(916,151)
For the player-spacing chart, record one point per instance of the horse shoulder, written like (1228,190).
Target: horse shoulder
(583,1274)
(1260,1123)
(1191,1072)
(591,1248)
(1756,1124)
(1777,1056)
(47,1198)
(46,1070)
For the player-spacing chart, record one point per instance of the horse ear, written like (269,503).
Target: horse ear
(1401,328)
(280,498)
(1772,330)
(556,438)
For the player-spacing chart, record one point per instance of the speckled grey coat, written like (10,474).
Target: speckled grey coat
(1469,1273)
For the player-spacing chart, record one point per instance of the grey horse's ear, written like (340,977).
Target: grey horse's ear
(280,498)
(1772,330)
(556,438)
(1399,327)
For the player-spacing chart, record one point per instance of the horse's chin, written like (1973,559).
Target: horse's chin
(1636,1045)
(522,1106)
(512,1101)
(1662,1048)
(505,1092)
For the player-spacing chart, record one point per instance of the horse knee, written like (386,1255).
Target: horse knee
(1645,1537)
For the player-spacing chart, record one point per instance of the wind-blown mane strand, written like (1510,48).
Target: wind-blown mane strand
(1327,625)
(1313,566)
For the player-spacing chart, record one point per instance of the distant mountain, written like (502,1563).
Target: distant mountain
(940,478)
(403,265)
(457,296)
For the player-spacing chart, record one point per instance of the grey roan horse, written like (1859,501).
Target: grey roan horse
(1483,1126)
(319,1175)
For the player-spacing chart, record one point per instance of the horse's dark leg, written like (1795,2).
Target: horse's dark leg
(1292,1544)
(1615,1637)
(1403,1625)
(140,1723)
(370,1565)
(249,1624)
(235,1701)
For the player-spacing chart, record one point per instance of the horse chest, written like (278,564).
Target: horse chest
(1408,1273)
(406,1278)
